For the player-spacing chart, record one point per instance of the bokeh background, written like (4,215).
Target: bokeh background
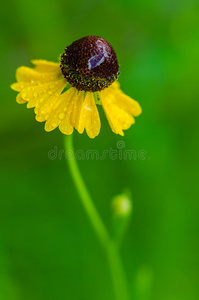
(48,250)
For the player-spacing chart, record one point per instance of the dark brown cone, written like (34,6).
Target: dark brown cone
(90,64)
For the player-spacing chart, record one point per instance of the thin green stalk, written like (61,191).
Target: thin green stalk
(84,195)
(117,272)
(115,264)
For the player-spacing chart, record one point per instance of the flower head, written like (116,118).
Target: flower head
(66,94)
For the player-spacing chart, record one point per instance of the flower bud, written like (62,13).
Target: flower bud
(122,205)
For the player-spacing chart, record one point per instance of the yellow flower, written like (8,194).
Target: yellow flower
(66,94)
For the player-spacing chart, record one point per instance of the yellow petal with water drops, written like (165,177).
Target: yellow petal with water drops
(36,95)
(60,115)
(118,118)
(20,100)
(43,94)
(19,86)
(77,104)
(26,74)
(89,117)
(46,66)
(47,104)
(72,111)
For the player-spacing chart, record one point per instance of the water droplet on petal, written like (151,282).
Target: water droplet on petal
(61,116)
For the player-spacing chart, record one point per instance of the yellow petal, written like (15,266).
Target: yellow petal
(73,108)
(45,66)
(118,113)
(20,100)
(43,93)
(89,117)
(115,85)
(76,107)
(19,86)
(61,113)
(127,103)
(25,74)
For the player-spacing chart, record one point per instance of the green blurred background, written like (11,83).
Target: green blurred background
(48,250)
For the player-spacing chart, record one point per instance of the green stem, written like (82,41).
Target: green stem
(115,264)
(85,196)
(117,272)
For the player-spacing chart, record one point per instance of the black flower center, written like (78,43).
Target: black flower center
(90,64)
